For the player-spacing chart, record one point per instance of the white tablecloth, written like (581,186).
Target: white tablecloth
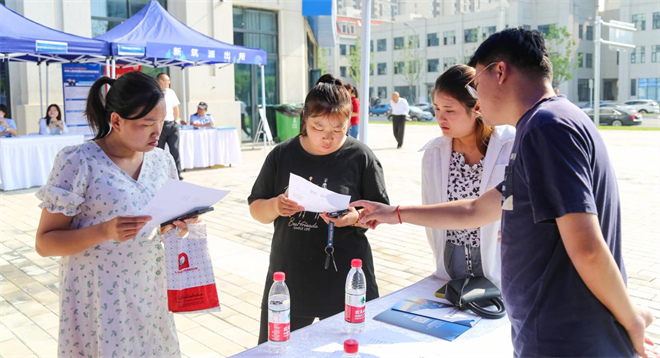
(27,161)
(201,148)
(490,338)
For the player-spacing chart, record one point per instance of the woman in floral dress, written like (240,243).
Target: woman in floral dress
(112,273)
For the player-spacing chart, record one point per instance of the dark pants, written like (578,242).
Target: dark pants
(296,323)
(170,135)
(244,125)
(399,126)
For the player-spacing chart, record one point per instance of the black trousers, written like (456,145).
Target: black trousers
(170,135)
(296,323)
(399,127)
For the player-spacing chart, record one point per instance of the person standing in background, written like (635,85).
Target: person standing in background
(355,115)
(400,109)
(170,134)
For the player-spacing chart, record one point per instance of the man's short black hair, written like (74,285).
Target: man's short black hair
(523,49)
(4,109)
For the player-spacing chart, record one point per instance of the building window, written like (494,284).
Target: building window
(371,46)
(655,53)
(413,41)
(583,90)
(580,31)
(381,45)
(656,20)
(633,87)
(343,28)
(648,88)
(382,92)
(398,67)
(342,71)
(589,60)
(398,43)
(526,27)
(448,62)
(590,33)
(382,69)
(449,37)
(639,55)
(639,20)
(470,35)
(488,30)
(432,40)
(432,65)
(579,59)
(413,66)
(545,29)
(342,50)
(352,28)
(352,49)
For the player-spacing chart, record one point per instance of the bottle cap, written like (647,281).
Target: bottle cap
(356,263)
(279,276)
(350,346)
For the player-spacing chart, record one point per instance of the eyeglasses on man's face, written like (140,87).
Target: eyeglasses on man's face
(471,90)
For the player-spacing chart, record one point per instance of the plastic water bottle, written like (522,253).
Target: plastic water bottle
(350,349)
(279,315)
(356,298)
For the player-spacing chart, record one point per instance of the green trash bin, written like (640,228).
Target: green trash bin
(288,120)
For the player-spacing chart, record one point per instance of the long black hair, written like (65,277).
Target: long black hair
(59,113)
(327,97)
(132,96)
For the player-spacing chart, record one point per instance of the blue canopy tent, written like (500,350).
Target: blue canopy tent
(23,40)
(153,37)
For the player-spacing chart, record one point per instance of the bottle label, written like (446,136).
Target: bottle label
(279,326)
(354,308)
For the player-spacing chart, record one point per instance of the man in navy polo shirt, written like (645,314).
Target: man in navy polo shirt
(563,277)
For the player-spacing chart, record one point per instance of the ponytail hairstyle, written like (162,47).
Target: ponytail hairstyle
(59,113)
(132,96)
(351,90)
(327,98)
(452,82)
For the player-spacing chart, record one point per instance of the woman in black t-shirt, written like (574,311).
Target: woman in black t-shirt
(325,155)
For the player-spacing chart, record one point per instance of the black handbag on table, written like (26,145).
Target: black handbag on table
(476,294)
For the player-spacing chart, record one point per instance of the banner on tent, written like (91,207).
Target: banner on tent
(200,54)
(51,46)
(77,79)
(123,50)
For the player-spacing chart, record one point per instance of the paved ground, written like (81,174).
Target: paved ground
(240,247)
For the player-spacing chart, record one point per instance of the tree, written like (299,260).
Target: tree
(560,47)
(355,58)
(322,60)
(412,58)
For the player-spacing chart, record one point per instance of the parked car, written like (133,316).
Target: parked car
(616,116)
(380,110)
(425,106)
(604,104)
(417,114)
(644,105)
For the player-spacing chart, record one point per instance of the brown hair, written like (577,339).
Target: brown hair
(452,82)
(351,89)
(328,97)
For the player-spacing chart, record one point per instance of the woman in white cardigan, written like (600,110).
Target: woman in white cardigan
(468,159)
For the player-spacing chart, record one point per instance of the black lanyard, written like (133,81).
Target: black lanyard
(330,250)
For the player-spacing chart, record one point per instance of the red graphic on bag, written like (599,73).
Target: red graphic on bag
(183,261)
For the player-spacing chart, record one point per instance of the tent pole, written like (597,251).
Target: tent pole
(41,100)
(107,67)
(114,68)
(185,100)
(47,82)
(263,103)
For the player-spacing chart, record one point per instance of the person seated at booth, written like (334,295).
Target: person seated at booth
(201,118)
(52,123)
(7,125)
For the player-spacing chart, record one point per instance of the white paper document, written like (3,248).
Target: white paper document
(314,198)
(176,198)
